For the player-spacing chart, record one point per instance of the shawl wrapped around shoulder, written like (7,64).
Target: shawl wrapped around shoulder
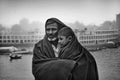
(73,63)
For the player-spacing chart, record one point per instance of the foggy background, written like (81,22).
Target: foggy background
(32,14)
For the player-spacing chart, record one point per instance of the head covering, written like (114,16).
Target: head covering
(52,20)
(66,31)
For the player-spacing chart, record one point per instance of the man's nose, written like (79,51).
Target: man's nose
(50,31)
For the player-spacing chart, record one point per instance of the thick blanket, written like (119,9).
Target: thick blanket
(73,63)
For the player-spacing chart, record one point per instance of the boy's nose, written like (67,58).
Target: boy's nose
(59,41)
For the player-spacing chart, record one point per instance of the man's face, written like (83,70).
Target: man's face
(63,41)
(51,31)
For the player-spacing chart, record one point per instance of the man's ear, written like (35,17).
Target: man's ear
(70,38)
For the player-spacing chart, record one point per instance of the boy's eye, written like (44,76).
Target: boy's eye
(60,38)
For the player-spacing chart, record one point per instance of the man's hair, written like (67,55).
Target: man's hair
(66,31)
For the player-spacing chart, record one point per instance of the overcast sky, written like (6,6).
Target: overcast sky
(85,11)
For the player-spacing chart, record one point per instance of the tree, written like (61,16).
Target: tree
(108,25)
(16,28)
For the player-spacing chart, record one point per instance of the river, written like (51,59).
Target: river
(108,62)
(19,69)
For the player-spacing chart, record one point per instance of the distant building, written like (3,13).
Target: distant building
(19,39)
(89,39)
(97,38)
(118,24)
(118,21)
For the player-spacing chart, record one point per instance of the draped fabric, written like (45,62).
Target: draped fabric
(85,67)
(73,63)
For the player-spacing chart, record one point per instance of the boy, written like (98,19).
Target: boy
(70,49)
(65,36)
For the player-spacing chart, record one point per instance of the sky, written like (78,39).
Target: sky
(84,11)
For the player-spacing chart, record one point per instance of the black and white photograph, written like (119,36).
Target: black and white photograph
(59,39)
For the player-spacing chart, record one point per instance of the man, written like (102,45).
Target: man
(71,63)
(46,65)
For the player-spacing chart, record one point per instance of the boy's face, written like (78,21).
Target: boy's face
(63,40)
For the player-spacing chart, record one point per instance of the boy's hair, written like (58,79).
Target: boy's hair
(66,31)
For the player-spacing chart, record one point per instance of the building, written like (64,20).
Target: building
(118,24)
(97,38)
(89,39)
(19,39)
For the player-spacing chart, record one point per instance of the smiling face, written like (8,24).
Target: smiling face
(51,31)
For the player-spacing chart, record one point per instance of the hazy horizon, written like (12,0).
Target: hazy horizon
(84,11)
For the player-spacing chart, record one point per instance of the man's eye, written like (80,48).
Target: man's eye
(47,29)
(54,29)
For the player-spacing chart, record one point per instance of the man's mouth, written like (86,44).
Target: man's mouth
(51,36)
